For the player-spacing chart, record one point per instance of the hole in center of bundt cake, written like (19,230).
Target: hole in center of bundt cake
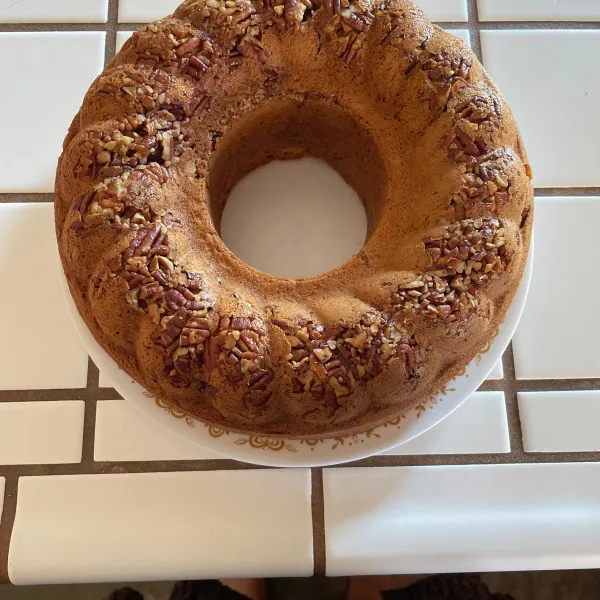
(297,218)
(294,219)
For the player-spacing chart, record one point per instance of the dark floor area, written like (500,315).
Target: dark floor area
(540,585)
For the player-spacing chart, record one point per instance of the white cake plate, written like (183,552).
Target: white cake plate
(279,452)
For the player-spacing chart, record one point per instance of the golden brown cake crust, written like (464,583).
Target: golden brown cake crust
(405,113)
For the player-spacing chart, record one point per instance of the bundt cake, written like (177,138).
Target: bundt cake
(191,104)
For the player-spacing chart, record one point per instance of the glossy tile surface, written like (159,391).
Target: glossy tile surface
(560,421)
(559,123)
(41,66)
(539,10)
(133,527)
(55,358)
(461,519)
(40,433)
(144,11)
(53,11)
(123,434)
(444,10)
(556,338)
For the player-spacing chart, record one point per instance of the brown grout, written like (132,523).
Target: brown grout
(512,405)
(111,35)
(93,376)
(383,460)
(51,27)
(117,468)
(573,191)
(16,198)
(464,460)
(556,385)
(89,417)
(318,519)
(52,395)
(473,27)
(6,524)
(537,25)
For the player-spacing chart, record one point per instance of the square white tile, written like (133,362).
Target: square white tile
(41,433)
(45,11)
(560,421)
(445,10)
(538,10)
(557,337)
(478,426)
(124,434)
(49,73)
(40,348)
(381,521)
(162,526)
(144,11)
(122,37)
(554,97)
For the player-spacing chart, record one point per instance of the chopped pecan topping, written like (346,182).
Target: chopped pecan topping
(294,12)
(251,47)
(464,148)
(444,69)
(194,338)
(467,255)
(329,362)
(112,199)
(348,27)
(479,109)
(189,51)
(444,72)
(152,94)
(136,140)
(485,185)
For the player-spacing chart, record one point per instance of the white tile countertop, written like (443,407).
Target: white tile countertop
(511,480)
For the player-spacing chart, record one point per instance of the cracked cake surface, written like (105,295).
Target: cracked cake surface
(401,109)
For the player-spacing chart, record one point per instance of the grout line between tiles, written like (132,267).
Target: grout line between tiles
(52,395)
(572,191)
(25,198)
(318,520)
(538,25)
(6,524)
(473,27)
(556,385)
(89,417)
(459,460)
(116,468)
(193,466)
(51,27)
(510,399)
(111,35)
